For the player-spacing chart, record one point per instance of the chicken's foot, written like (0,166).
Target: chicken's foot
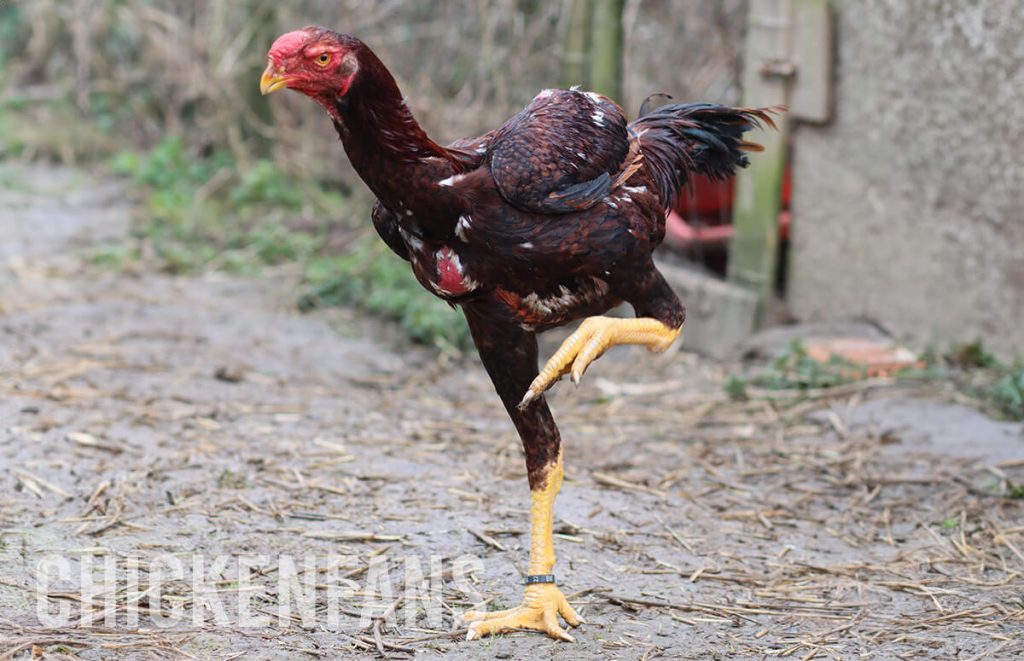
(595,336)
(542,602)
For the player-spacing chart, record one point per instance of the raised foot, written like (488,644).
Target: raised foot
(542,604)
(595,336)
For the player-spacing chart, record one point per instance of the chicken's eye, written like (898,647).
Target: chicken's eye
(323,59)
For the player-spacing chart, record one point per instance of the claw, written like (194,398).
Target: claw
(596,346)
(527,398)
(595,336)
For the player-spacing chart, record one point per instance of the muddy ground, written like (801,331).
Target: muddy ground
(145,416)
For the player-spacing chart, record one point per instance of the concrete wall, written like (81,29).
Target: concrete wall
(909,207)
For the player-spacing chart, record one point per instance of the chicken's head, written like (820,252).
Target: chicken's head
(315,61)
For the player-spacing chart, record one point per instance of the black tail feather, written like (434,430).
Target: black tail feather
(680,139)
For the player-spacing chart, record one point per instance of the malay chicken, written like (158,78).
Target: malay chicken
(548,219)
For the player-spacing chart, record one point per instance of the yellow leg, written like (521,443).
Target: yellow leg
(542,602)
(595,336)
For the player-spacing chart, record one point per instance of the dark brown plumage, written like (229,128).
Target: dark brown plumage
(550,218)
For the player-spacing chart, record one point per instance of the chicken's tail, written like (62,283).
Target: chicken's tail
(678,140)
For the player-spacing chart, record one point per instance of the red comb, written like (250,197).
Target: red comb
(289,44)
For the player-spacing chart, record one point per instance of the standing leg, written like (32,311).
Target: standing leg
(509,355)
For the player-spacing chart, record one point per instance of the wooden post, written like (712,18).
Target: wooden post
(575,52)
(810,99)
(266,29)
(767,70)
(606,48)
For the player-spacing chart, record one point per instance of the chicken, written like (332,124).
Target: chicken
(548,219)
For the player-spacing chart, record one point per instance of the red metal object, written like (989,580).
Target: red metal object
(702,219)
(682,234)
(707,198)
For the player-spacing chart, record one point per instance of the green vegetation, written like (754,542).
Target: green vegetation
(373,278)
(972,354)
(795,370)
(188,128)
(51,132)
(735,386)
(11,25)
(207,212)
(212,211)
(1007,394)
(998,388)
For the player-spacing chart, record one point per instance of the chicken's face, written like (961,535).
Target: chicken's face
(316,62)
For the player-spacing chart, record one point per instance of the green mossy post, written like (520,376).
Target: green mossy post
(576,46)
(754,249)
(265,16)
(606,48)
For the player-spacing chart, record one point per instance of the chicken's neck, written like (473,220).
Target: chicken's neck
(383,140)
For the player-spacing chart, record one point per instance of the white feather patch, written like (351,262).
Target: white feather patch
(452,180)
(590,292)
(462,226)
(410,240)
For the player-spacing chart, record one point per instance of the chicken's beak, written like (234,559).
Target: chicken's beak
(271,81)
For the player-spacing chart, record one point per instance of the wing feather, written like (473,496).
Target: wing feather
(561,153)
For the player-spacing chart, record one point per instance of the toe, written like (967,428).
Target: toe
(553,371)
(557,367)
(569,614)
(482,628)
(589,341)
(480,616)
(552,628)
(590,352)
(477,630)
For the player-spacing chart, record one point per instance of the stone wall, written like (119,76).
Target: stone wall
(909,206)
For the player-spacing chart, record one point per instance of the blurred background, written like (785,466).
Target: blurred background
(138,72)
(891,197)
(166,93)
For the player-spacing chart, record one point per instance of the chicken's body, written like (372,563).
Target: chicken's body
(551,218)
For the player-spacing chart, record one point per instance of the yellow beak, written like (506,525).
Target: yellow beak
(271,81)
